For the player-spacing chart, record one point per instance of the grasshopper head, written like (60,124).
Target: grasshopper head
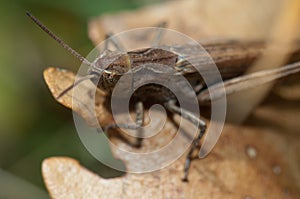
(109,68)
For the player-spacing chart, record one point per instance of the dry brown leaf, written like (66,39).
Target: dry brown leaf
(249,19)
(245,162)
(59,79)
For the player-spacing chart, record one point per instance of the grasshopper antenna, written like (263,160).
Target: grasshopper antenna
(75,84)
(56,38)
(69,49)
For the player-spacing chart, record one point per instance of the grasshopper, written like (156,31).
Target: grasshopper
(232,58)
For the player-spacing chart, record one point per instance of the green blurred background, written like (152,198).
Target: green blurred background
(33,126)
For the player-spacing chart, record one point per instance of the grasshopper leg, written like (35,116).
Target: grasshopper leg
(171,106)
(139,121)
